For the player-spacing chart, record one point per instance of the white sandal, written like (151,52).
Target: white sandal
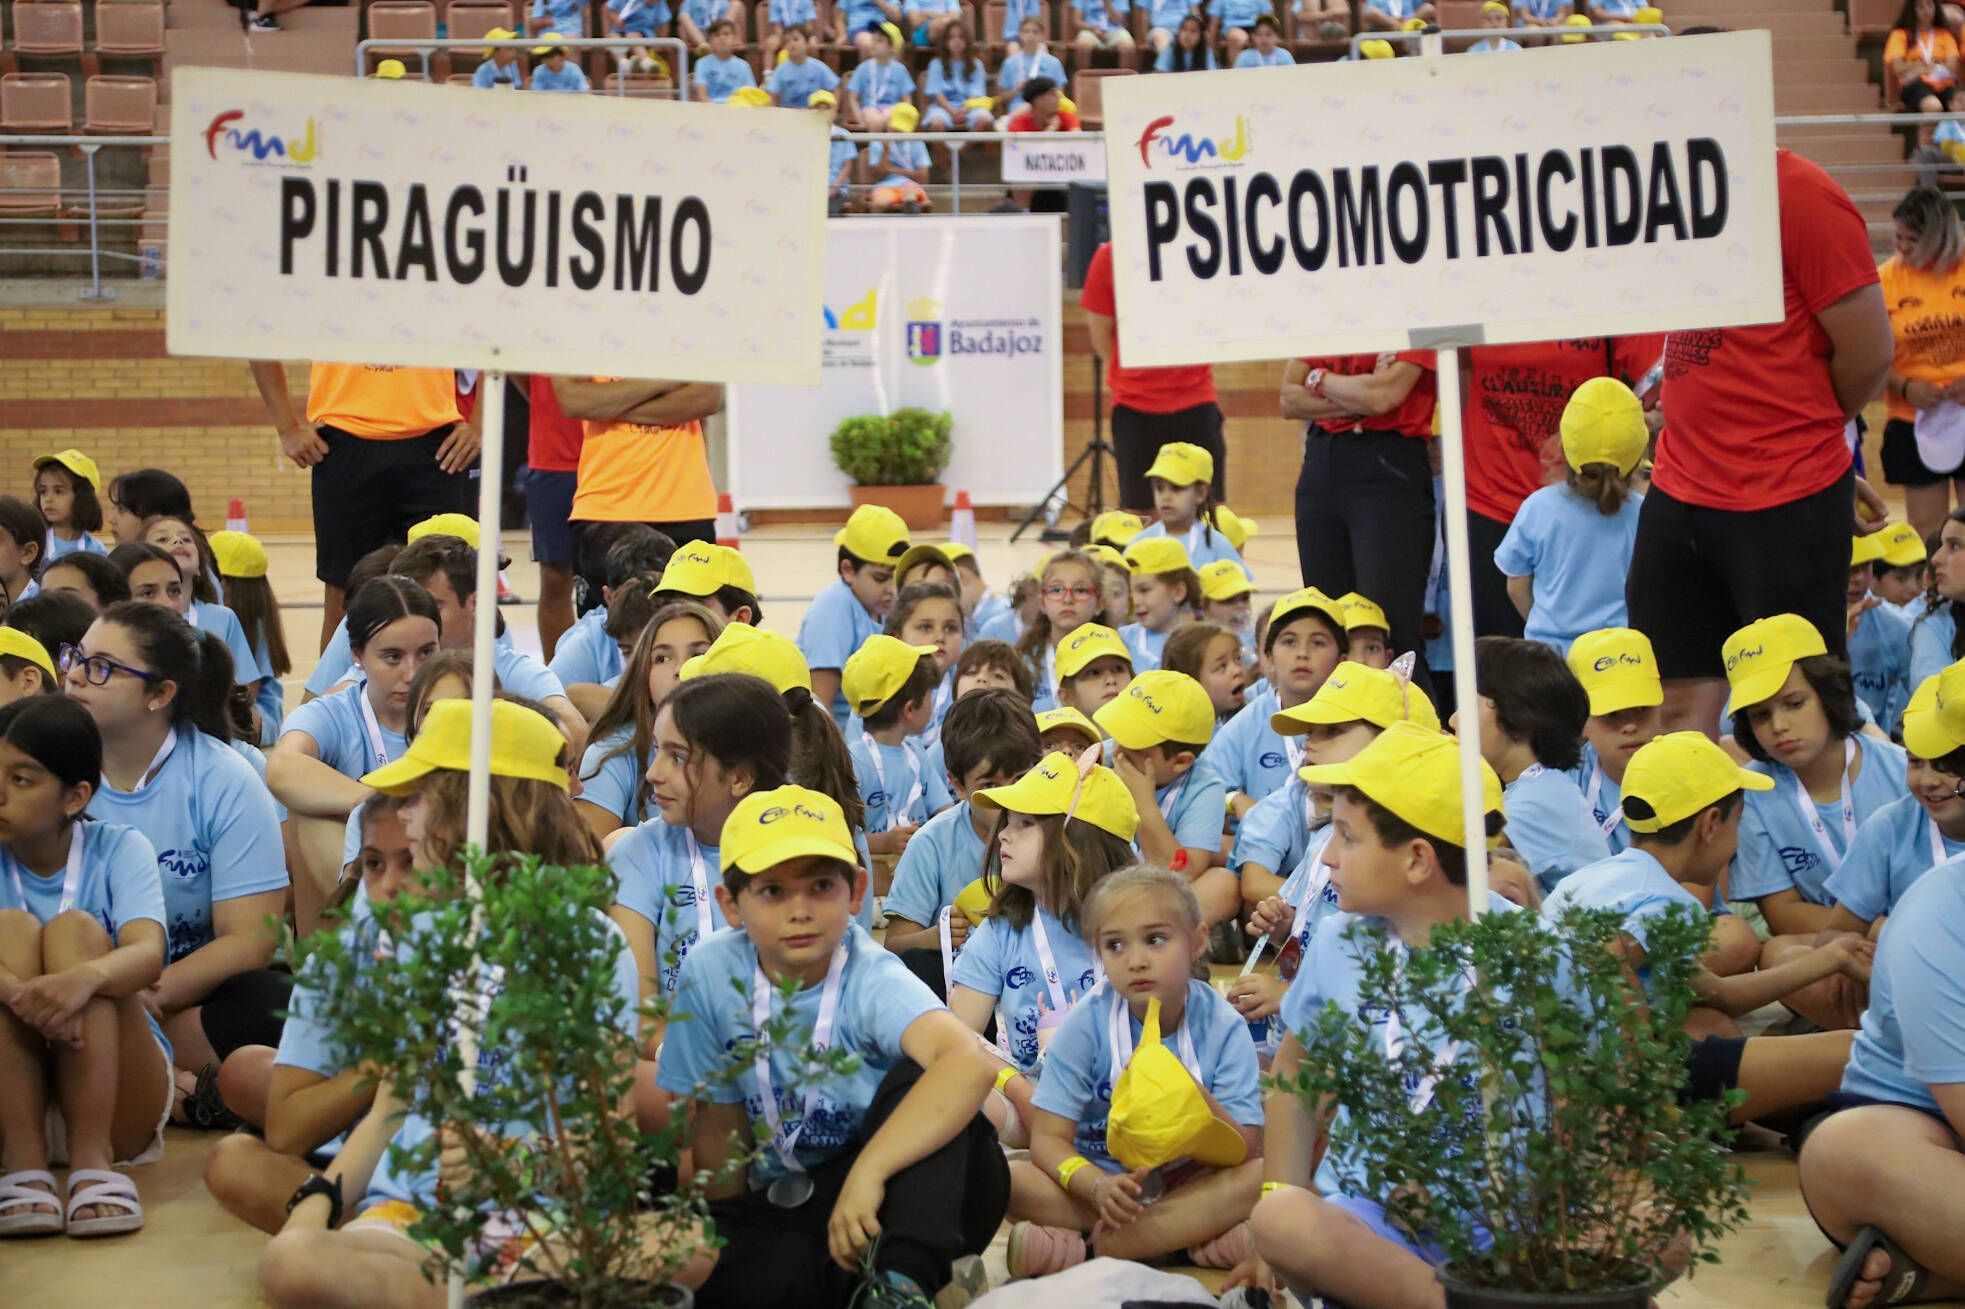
(96,1187)
(19,1200)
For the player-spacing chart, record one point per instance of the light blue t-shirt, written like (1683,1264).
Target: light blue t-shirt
(1913,1033)
(1779,846)
(339,730)
(876,85)
(271,700)
(569,16)
(1546,10)
(1550,826)
(641,17)
(657,880)
(794,82)
(1166,14)
(586,653)
(1016,69)
(893,155)
(1078,1071)
(788,14)
(1092,14)
(942,858)
(1633,883)
(989,607)
(212,823)
(958,82)
(701,12)
(1249,755)
(118,884)
(721,77)
(1492,45)
(83,543)
(1006,626)
(1273,834)
(1578,558)
(1001,961)
(1195,806)
(712,1028)
(1014,12)
(523,674)
(490,76)
(1879,659)
(1237,13)
(897,784)
(1930,644)
(1164,61)
(1147,646)
(1604,798)
(1204,544)
(859,13)
(1254,58)
(835,626)
(568,78)
(613,781)
(1894,847)
(224,624)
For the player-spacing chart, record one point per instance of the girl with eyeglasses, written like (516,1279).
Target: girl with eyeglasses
(1069,596)
(137,673)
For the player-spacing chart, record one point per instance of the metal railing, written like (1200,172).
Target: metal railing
(388,47)
(1539,35)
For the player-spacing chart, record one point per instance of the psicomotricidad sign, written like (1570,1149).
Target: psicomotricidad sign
(1607,188)
(395,222)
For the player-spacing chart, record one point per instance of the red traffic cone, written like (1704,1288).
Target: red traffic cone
(726,522)
(962,521)
(235,515)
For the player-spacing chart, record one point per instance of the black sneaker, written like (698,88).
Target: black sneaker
(264,23)
(204,1108)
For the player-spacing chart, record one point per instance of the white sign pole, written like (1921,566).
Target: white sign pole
(1460,622)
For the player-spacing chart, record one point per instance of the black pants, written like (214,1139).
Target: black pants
(1494,613)
(1364,523)
(246,1009)
(1137,438)
(367,493)
(947,1205)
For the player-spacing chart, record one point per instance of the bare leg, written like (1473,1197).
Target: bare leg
(1692,704)
(1219,893)
(1897,1170)
(1701,1021)
(1036,1197)
(1197,1212)
(23,1055)
(185,1030)
(333,602)
(1315,1247)
(244,1080)
(556,580)
(653,1105)
(144,1081)
(310,1268)
(1925,507)
(253,1181)
(1734,948)
(1786,1072)
(85,1073)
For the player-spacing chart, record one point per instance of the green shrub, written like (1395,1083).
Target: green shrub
(909,447)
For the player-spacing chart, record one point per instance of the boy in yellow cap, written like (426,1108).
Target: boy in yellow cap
(1368,629)
(1897,573)
(1619,674)
(1165,593)
(851,608)
(67,485)
(1093,666)
(900,166)
(1399,867)
(501,68)
(1068,730)
(1181,477)
(1879,639)
(557,73)
(891,688)
(1304,640)
(716,577)
(26,668)
(1228,600)
(893,1148)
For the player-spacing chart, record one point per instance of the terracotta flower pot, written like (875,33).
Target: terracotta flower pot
(920,507)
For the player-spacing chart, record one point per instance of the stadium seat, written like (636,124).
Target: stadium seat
(468,19)
(48,27)
(645,86)
(30,183)
(401,20)
(36,102)
(120,106)
(1873,17)
(132,29)
(1086,91)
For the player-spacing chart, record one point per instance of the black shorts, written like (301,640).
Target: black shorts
(1914,93)
(1698,575)
(548,504)
(1903,465)
(368,493)
(1713,1067)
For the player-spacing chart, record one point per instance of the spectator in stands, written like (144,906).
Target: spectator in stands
(1393,15)
(1190,51)
(1029,60)
(262,16)
(695,18)
(901,166)
(781,18)
(557,73)
(953,82)
(845,154)
(1745,461)
(1923,56)
(716,77)
(1102,26)
(798,75)
(642,18)
(855,22)
(1330,20)
(561,17)
(878,83)
(1494,15)
(926,20)
(1266,53)
(501,64)
(1043,110)
(1613,11)
(1924,440)
(1232,22)
(1542,13)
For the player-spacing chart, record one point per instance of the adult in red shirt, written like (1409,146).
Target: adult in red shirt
(1364,499)
(1749,512)
(1150,406)
(552,463)
(1041,110)
(1511,422)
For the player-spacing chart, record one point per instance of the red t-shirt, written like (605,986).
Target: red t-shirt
(1025,121)
(553,440)
(1751,415)
(1512,415)
(1147,390)
(1413,417)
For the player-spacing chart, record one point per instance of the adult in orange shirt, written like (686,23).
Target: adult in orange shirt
(388,447)
(1924,290)
(644,460)
(1923,56)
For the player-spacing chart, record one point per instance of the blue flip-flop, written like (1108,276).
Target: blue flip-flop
(1901,1284)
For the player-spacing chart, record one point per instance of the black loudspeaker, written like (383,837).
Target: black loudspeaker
(1087,227)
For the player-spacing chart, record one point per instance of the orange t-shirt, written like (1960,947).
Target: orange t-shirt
(381,403)
(635,473)
(1933,47)
(1927,321)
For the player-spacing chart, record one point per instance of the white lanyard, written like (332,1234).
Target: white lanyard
(944,694)
(157,763)
(1050,672)
(782,1142)
(1172,797)
(371,725)
(1119,1031)
(1610,820)
(949,951)
(71,880)
(1313,891)
(1422,1094)
(1191,539)
(896,812)
(1938,852)
(191,615)
(699,879)
(1052,982)
(878,82)
(1804,805)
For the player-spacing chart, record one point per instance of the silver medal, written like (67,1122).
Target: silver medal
(790,1191)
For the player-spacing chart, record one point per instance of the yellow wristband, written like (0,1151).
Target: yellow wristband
(1267,1187)
(1005,1077)
(1069,1169)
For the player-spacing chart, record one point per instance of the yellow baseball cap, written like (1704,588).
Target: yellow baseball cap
(1117,528)
(1376,48)
(1760,655)
(523,744)
(1617,668)
(702,568)
(877,671)
(923,553)
(1067,719)
(742,648)
(19,644)
(903,117)
(821,98)
(972,902)
(874,535)
(1183,464)
(1105,554)
(768,828)
(462,526)
(1358,693)
(978,102)
(1092,641)
(1066,105)
(1224,579)
(391,70)
(1158,706)
(1360,612)
(552,42)
(1047,789)
(1649,14)
(1864,550)
(1298,603)
(749,97)
(1159,1114)
(1934,720)
(1603,423)
(1413,25)
(1494,7)
(893,33)
(1901,545)
(1156,554)
(75,462)
(954,551)
(1576,20)
(238,555)
(1414,772)
(498,34)
(1233,526)
(1680,773)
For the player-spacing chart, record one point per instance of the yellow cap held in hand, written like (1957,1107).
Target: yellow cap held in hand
(462,526)
(749,97)
(702,568)
(1359,693)
(1068,719)
(1159,1114)
(1414,772)
(1864,550)
(1617,669)
(1376,48)
(1183,464)
(75,462)
(821,100)
(741,648)
(1900,545)
(1760,656)
(523,744)
(1116,528)
(1046,790)
(238,555)
(876,672)
(1157,707)
(903,117)
(20,645)
(391,70)
(1934,720)
(1603,423)
(768,828)
(972,902)
(1362,613)
(1575,20)
(1678,774)
(1237,529)
(1157,554)
(873,535)
(1224,579)
(1092,641)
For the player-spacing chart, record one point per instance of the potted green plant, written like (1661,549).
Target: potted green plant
(895,460)
(549,1151)
(1555,1163)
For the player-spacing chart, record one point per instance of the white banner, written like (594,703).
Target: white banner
(1532,195)
(381,222)
(955,314)
(1039,157)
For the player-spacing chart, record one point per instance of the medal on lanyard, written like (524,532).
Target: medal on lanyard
(71,878)
(1421,1095)
(699,882)
(157,763)
(1051,1018)
(1608,822)
(795,1187)
(371,725)
(1805,806)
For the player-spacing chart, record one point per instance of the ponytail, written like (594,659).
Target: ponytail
(211,692)
(819,759)
(1602,485)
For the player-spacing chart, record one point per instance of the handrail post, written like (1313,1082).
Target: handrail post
(95,290)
